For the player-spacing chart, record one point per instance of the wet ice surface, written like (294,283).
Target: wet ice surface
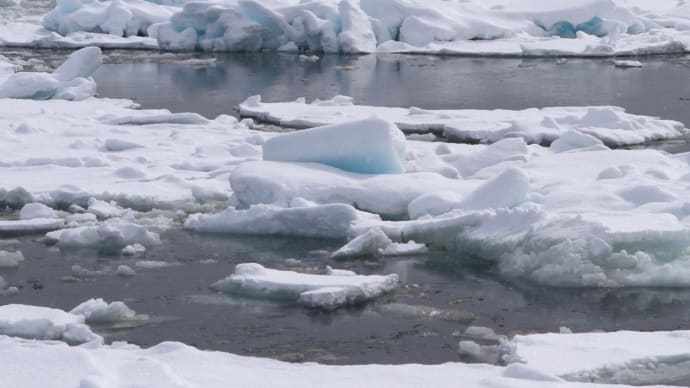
(183,308)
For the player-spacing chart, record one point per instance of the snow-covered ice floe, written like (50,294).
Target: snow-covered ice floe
(496,27)
(61,153)
(610,124)
(329,291)
(544,360)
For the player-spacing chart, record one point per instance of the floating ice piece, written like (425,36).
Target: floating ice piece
(628,64)
(114,234)
(421,311)
(30,226)
(319,291)
(368,243)
(98,311)
(36,210)
(70,81)
(44,323)
(370,146)
(611,125)
(323,221)
(125,271)
(133,250)
(10,259)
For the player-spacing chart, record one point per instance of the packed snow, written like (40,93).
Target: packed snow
(497,27)
(329,291)
(612,125)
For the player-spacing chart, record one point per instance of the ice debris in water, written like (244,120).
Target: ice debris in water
(113,234)
(10,259)
(71,81)
(328,292)
(100,312)
(125,271)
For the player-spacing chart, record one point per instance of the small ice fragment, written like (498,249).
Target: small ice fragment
(10,259)
(125,271)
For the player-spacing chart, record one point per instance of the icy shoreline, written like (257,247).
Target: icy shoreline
(595,28)
(549,360)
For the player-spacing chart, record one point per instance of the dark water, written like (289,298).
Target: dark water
(661,88)
(183,308)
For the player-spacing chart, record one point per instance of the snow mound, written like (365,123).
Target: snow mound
(44,323)
(318,291)
(36,210)
(610,125)
(71,81)
(98,311)
(370,146)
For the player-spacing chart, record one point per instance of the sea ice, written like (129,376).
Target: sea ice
(319,291)
(611,125)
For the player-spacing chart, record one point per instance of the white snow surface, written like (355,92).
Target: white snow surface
(61,153)
(612,125)
(496,27)
(328,291)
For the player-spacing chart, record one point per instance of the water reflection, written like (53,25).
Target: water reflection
(167,81)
